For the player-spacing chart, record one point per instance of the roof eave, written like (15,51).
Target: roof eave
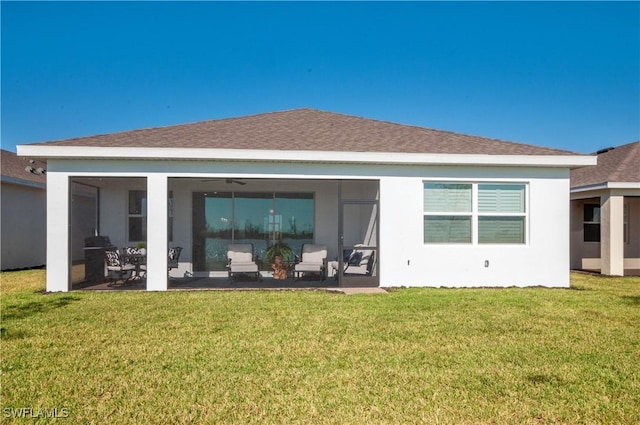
(22,182)
(396,158)
(605,186)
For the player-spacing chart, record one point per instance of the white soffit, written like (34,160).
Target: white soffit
(92,152)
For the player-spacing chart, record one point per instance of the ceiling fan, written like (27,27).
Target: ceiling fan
(228,181)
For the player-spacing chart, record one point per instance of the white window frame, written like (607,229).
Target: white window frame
(480,214)
(468,214)
(475,213)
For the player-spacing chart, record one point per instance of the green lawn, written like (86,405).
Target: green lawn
(436,356)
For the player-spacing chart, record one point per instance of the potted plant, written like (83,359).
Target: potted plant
(142,247)
(278,249)
(275,254)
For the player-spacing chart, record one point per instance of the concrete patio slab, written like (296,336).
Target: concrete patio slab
(353,291)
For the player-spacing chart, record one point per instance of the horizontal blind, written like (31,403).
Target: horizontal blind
(447,229)
(501,229)
(447,197)
(507,198)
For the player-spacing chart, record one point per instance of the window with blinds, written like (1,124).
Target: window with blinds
(501,213)
(447,208)
(483,213)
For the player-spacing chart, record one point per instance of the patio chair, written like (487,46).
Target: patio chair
(116,265)
(138,258)
(174,256)
(360,261)
(314,260)
(357,261)
(240,260)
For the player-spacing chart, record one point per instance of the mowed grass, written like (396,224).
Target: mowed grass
(436,356)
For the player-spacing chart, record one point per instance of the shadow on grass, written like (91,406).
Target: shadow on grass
(21,311)
(631,299)
(543,378)
(6,334)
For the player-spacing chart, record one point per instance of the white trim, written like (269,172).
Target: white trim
(92,152)
(606,185)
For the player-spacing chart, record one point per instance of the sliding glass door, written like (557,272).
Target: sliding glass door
(260,218)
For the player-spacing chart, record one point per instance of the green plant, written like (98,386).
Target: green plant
(280,249)
(141,245)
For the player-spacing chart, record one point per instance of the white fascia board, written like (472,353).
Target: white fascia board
(605,186)
(92,152)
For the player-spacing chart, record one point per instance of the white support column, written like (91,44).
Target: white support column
(612,235)
(58,237)
(157,232)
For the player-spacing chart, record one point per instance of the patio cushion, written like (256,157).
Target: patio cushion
(113,258)
(355,258)
(244,267)
(309,267)
(313,253)
(240,252)
(360,257)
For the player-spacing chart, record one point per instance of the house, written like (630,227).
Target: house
(435,208)
(605,213)
(23,212)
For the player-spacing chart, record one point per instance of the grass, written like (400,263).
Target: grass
(437,356)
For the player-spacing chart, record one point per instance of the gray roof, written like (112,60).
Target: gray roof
(13,167)
(619,164)
(309,130)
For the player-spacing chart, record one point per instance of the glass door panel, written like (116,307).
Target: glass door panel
(295,219)
(212,233)
(254,220)
(221,218)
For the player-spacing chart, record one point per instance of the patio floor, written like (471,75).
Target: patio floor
(214,283)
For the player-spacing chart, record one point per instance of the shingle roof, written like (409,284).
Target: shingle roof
(309,130)
(619,164)
(13,166)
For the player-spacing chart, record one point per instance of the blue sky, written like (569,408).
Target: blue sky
(563,75)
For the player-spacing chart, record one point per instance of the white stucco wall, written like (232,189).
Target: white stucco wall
(404,259)
(542,260)
(23,226)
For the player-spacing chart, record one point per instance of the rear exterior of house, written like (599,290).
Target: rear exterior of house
(436,208)
(605,213)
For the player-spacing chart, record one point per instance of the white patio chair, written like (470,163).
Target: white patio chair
(240,260)
(314,260)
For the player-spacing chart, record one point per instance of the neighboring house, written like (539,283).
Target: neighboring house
(23,212)
(605,213)
(436,208)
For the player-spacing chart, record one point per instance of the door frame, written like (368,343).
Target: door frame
(345,280)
